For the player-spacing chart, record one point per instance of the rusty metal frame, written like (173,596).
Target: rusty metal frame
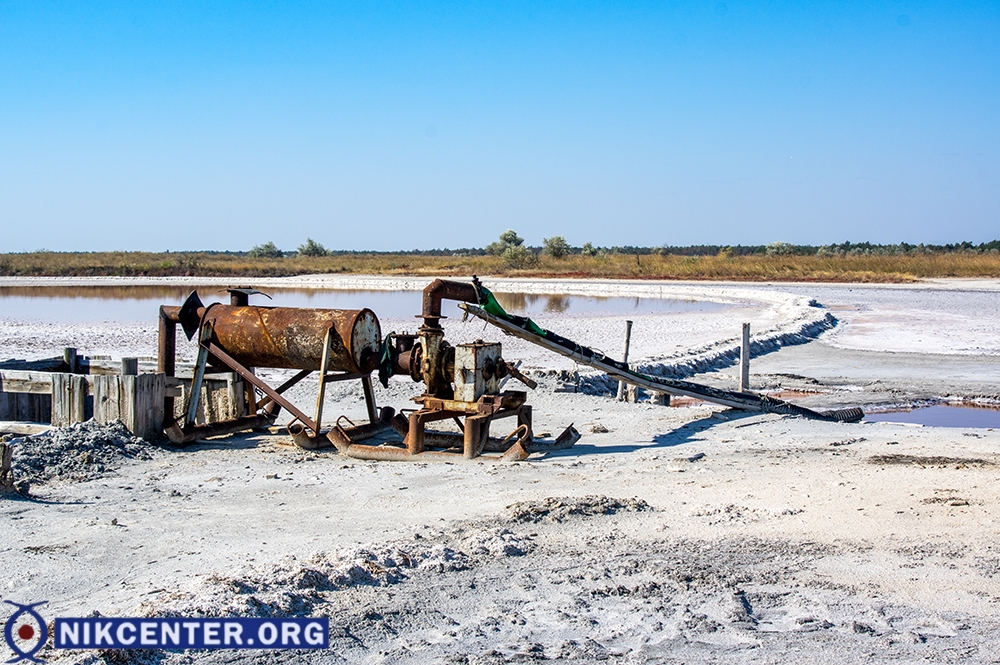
(257,381)
(473,441)
(273,401)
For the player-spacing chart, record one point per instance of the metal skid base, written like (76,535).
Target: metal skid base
(419,444)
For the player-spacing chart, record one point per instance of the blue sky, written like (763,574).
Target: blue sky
(181,125)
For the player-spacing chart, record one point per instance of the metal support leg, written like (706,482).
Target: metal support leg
(477,432)
(366,384)
(324,363)
(524,418)
(415,436)
(191,413)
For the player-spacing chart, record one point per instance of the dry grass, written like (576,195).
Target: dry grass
(862,268)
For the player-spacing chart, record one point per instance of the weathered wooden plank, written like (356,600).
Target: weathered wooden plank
(108,366)
(69,399)
(13,406)
(745,359)
(19,381)
(107,398)
(216,403)
(235,390)
(32,408)
(44,365)
(135,400)
(145,395)
(22,429)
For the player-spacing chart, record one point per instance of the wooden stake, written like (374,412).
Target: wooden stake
(6,475)
(745,360)
(69,357)
(628,340)
(130,366)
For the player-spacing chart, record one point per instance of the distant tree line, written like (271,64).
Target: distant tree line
(515,254)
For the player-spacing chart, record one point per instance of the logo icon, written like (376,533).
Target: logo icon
(17,632)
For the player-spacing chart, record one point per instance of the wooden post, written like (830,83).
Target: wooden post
(130,366)
(745,359)
(628,340)
(108,401)
(236,395)
(69,357)
(142,397)
(6,475)
(660,399)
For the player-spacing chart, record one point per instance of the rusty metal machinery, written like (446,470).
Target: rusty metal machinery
(238,337)
(463,383)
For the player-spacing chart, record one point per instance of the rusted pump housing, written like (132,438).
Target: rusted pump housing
(463,383)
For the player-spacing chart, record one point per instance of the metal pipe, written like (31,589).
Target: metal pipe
(179,435)
(444,289)
(166,353)
(586,356)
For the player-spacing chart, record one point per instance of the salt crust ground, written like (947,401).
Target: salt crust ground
(789,540)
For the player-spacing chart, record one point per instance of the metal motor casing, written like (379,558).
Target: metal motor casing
(292,338)
(475,370)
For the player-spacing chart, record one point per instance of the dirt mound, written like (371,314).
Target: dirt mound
(297,586)
(82,451)
(558,509)
(928,460)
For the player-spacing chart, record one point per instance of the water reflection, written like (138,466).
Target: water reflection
(943,415)
(77,304)
(527,302)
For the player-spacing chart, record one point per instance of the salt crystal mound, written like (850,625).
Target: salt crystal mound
(555,509)
(295,587)
(82,451)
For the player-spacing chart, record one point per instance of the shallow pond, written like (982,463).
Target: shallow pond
(942,415)
(78,304)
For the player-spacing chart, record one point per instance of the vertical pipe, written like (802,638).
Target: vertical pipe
(473,435)
(745,359)
(166,359)
(6,475)
(415,436)
(366,385)
(628,340)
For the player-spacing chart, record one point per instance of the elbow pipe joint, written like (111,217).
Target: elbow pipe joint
(443,289)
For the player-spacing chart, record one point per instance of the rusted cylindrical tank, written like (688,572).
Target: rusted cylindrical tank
(292,338)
